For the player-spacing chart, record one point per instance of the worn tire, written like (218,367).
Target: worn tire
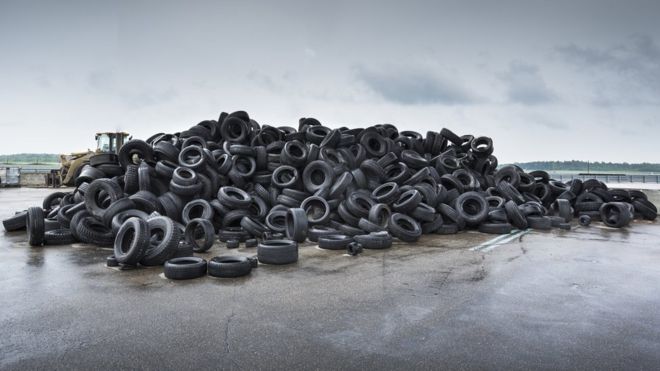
(374,241)
(208,231)
(163,242)
(334,241)
(185,268)
(35,226)
(495,228)
(59,237)
(16,222)
(111,189)
(93,231)
(404,227)
(132,241)
(296,224)
(277,252)
(229,266)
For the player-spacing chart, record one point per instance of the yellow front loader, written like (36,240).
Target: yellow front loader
(72,164)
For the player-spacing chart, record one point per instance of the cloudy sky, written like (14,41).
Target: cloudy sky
(546,79)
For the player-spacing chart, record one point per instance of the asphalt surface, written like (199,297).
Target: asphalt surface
(582,299)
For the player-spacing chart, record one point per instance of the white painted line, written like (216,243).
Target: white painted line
(489,242)
(497,241)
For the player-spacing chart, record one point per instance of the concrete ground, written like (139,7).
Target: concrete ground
(583,299)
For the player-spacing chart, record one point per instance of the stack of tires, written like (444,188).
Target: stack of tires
(235,180)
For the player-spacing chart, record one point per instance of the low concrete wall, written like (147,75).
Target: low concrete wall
(34,180)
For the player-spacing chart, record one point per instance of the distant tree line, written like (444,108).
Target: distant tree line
(30,158)
(582,166)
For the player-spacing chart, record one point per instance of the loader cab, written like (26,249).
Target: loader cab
(111,142)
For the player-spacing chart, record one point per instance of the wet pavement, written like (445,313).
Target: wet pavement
(586,298)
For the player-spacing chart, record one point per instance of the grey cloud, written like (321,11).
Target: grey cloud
(525,85)
(145,99)
(101,79)
(622,73)
(44,82)
(545,121)
(413,86)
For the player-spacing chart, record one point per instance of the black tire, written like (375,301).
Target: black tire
(495,228)
(166,151)
(407,201)
(315,232)
(115,208)
(645,208)
(379,214)
(276,220)
(131,181)
(132,241)
(132,148)
(233,233)
(584,220)
(514,215)
(374,241)
(187,190)
(122,216)
(229,266)
(35,226)
(59,237)
(368,226)
(50,224)
(509,192)
(196,209)
(110,188)
(472,207)
(284,176)
(386,193)
(563,208)
(451,228)
(616,214)
(16,223)
(163,243)
(146,201)
(354,248)
(184,250)
(317,175)
(183,176)
(450,214)
(340,185)
(317,209)
(52,200)
(193,229)
(62,215)
(424,213)
(277,252)
(111,261)
(334,241)
(588,206)
(296,224)
(432,226)
(234,198)
(185,268)
(404,227)
(144,177)
(192,157)
(93,231)
(111,170)
(539,222)
(103,159)
(253,226)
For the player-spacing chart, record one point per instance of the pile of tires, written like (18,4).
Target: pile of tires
(350,189)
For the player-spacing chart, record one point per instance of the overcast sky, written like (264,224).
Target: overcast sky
(545,79)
